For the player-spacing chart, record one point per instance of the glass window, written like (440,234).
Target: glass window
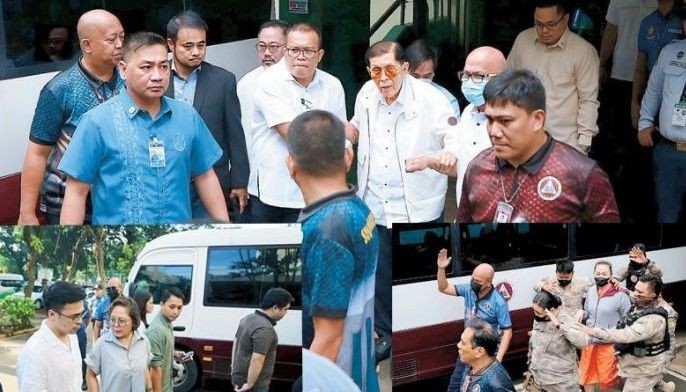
(156,278)
(241,276)
(673,235)
(611,239)
(510,246)
(415,247)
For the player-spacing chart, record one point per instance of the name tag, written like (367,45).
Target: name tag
(679,115)
(156,153)
(503,213)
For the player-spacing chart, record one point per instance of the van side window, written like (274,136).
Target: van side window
(239,276)
(156,278)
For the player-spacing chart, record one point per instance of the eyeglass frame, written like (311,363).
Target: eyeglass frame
(548,25)
(273,48)
(303,52)
(117,322)
(384,69)
(463,77)
(72,317)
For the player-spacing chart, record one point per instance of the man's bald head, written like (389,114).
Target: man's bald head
(101,36)
(91,21)
(483,273)
(115,282)
(485,60)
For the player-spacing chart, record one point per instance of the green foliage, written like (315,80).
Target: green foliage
(16,313)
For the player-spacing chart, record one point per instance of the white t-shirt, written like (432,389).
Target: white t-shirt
(246,90)
(47,365)
(278,99)
(627,16)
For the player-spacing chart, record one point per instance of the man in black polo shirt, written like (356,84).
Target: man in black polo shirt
(254,350)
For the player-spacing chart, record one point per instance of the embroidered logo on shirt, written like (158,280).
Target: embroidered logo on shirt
(452,120)
(680,54)
(549,188)
(179,142)
(651,32)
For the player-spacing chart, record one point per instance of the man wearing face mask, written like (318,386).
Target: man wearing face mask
(480,66)
(571,289)
(422,61)
(480,301)
(641,338)
(605,305)
(639,264)
(113,290)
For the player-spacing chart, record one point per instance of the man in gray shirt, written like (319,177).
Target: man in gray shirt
(254,350)
(161,336)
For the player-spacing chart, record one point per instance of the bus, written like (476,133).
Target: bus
(452,27)
(427,324)
(223,272)
(10,284)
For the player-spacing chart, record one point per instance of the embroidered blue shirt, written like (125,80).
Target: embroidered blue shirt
(110,151)
(655,32)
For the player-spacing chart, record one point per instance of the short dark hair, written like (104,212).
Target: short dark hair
(484,335)
(382,47)
(654,281)
(131,308)
(418,52)
(562,5)
(276,296)
(141,297)
(603,262)
(135,41)
(546,300)
(316,141)
(640,246)
(519,87)
(186,19)
(62,293)
(304,27)
(172,291)
(274,23)
(564,266)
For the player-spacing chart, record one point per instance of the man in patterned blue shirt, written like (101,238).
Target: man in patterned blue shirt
(62,102)
(138,152)
(339,250)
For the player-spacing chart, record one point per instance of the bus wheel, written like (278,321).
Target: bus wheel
(185,376)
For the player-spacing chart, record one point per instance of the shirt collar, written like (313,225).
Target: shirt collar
(163,320)
(51,337)
(314,207)
(193,73)
(265,315)
(561,43)
(132,109)
(535,163)
(93,80)
(487,296)
(110,338)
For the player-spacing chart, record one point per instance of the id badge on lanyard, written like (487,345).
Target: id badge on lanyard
(679,115)
(156,152)
(503,213)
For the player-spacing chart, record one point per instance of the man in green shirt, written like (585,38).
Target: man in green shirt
(161,336)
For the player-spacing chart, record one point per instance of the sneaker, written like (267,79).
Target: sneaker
(382,350)
(84,386)
(668,386)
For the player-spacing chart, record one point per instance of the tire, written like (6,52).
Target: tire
(38,304)
(185,380)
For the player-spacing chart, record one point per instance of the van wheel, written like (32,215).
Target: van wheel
(185,376)
(38,304)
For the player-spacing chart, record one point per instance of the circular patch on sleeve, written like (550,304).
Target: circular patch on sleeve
(549,188)
(452,121)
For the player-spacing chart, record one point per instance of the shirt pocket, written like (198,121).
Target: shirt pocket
(674,79)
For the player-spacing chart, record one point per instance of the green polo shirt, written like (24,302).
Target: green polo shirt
(161,337)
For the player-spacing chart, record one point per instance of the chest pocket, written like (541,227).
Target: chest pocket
(674,79)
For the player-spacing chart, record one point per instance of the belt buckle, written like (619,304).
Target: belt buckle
(681,146)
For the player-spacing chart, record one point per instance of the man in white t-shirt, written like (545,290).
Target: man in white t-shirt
(271,46)
(51,359)
(617,149)
(290,87)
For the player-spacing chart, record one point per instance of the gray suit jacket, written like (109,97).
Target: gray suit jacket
(216,100)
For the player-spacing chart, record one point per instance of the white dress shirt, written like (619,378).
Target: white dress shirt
(46,364)
(245,89)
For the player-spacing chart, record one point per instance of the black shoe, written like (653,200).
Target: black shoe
(382,349)
(84,386)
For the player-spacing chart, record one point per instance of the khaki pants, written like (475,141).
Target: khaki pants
(641,384)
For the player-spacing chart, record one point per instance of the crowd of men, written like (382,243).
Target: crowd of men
(130,354)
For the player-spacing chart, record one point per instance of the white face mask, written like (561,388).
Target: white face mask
(474,92)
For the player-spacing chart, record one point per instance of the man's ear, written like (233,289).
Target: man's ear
(348,157)
(538,119)
(122,69)
(170,44)
(291,165)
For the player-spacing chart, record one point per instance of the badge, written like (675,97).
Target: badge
(179,142)
(452,120)
(156,153)
(549,188)
(679,115)
(476,388)
(634,278)
(503,213)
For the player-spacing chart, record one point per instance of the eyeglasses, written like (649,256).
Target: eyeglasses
(391,71)
(306,53)
(120,322)
(476,78)
(73,317)
(548,25)
(272,48)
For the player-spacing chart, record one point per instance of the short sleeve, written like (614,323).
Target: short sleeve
(83,158)
(102,310)
(612,13)
(94,358)
(504,321)
(331,281)
(47,119)
(262,339)
(462,289)
(206,152)
(156,339)
(32,372)
(275,104)
(642,43)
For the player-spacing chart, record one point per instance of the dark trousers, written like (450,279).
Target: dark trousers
(626,162)
(383,302)
(200,213)
(670,181)
(264,213)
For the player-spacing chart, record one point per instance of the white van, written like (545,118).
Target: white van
(10,283)
(224,271)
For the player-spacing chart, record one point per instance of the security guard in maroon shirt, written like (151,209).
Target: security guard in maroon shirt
(527,176)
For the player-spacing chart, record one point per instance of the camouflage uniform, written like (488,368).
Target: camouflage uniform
(552,354)
(572,295)
(672,317)
(641,373)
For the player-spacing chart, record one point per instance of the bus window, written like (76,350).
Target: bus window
(673,235)
(415,248)
(239,277)
(607,240)
(510,246)
(156,278)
